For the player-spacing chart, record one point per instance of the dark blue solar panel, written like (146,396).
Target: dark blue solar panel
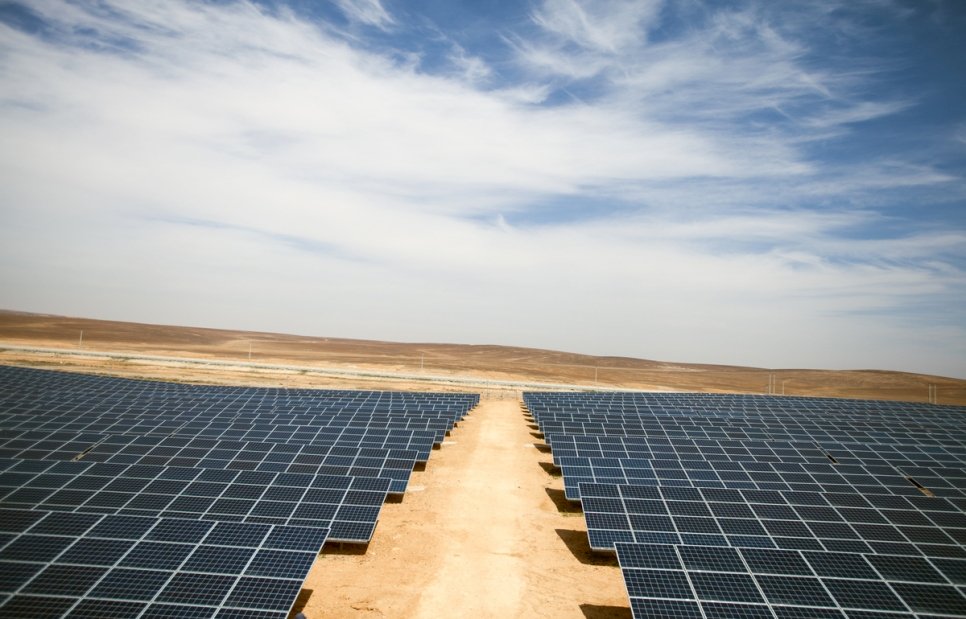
(132,584)
(296,538)
(264,593)
(160,555)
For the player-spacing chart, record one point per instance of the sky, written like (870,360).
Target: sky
(775,184)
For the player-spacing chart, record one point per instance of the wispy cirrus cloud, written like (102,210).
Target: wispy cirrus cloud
(598,26)
(369,12)
(649,188)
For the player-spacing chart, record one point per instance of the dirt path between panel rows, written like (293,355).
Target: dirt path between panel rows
(484,531)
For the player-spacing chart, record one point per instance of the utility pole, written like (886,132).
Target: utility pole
(80,340)
(249,350)
(422,357)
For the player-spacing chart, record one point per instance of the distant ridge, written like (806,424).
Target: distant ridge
(499,363)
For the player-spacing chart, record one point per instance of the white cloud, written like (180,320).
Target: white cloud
(599,25)
(369,12)
(860,112)
(226,166)
(473,68)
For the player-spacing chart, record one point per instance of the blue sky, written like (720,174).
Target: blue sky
(778,184)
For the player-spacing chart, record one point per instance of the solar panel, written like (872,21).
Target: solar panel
(786,581)
(44,400)
(54,415)
(814,476)
(887,524)
(336,459)
(46,445)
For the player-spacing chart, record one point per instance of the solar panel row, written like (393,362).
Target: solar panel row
(778,475)
(745,506)
(348,506)
(67,444)
(751,450)
(835,521)
(395,464)
(771,428)
(35,400)
(684,580)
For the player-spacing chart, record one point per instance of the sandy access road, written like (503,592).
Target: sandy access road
(484,531)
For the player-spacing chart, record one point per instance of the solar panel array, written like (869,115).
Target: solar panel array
(755,506)
(127,498)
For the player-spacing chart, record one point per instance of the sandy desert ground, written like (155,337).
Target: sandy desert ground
(484,530)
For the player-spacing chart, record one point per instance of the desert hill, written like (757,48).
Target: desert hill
(398,364)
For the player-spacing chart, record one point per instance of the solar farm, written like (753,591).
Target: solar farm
(125,498)
(138,498)
(754,506)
